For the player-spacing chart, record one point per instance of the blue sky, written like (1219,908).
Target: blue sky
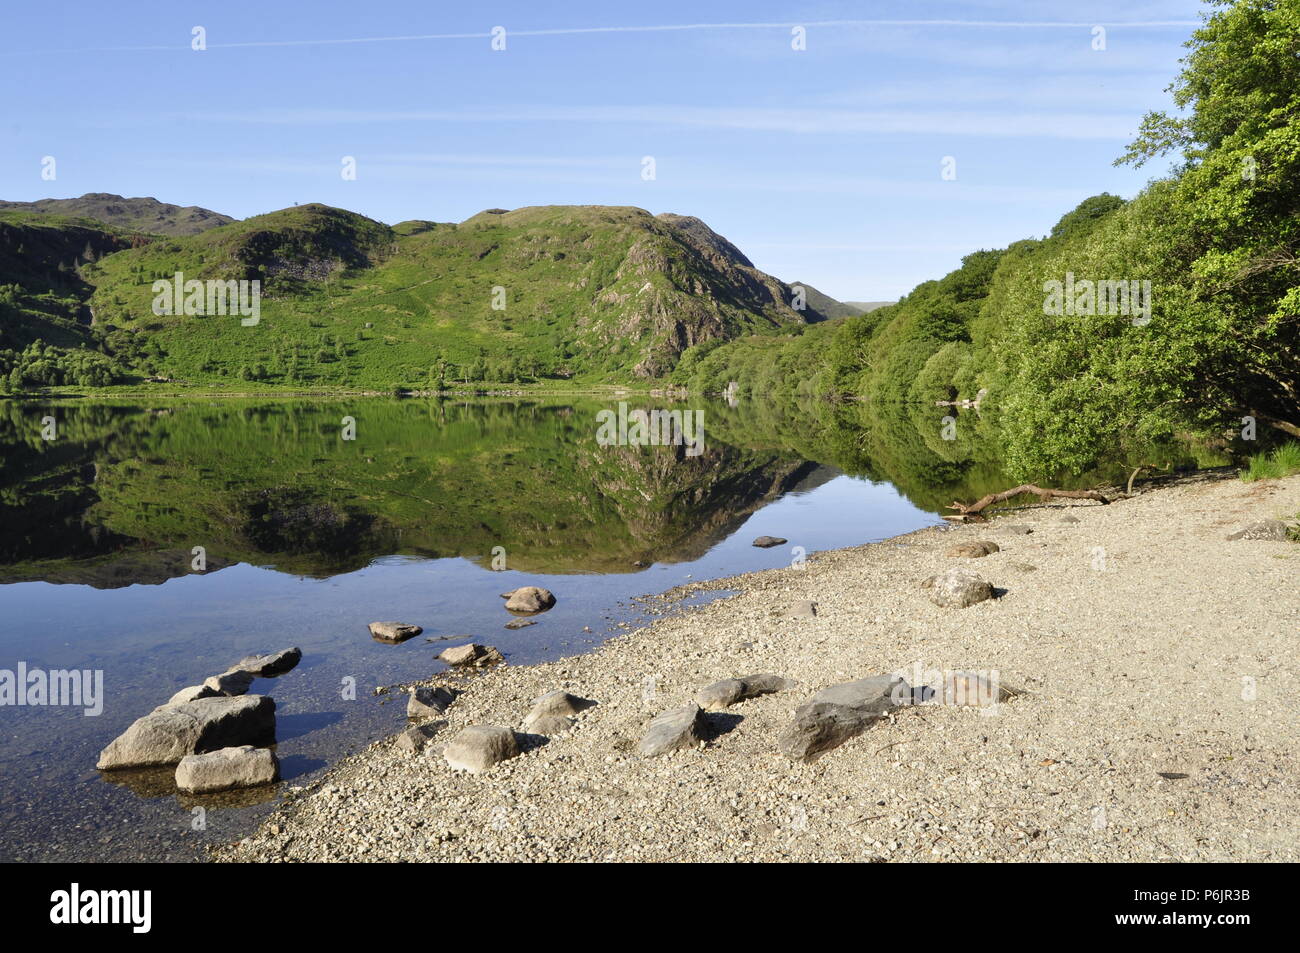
(823,165)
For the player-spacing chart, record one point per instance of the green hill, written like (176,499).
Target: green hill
(131,215)
(587,292)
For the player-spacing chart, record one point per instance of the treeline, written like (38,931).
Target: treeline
(1132,325)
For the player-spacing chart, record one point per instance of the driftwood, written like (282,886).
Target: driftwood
(964,510)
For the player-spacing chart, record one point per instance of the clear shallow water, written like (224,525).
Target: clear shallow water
(92,579)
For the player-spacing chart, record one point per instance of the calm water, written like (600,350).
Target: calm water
(308,537)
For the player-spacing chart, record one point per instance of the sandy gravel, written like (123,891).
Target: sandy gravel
(1146,643)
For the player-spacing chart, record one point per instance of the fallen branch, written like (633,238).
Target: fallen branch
(1040,492)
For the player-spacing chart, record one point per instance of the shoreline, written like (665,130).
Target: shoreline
(1152,727)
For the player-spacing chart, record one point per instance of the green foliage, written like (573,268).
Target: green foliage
(1283,461)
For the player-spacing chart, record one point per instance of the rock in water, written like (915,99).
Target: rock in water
(191,694)
(959,588)
(171,732)
(729,691)
(840,712)
(679,728)
(393,631)
(529,599)
(225,768)
(471,654)
(229,683)
(767,542)
(1264,529)
(427,702)
(270,665)
(974,550)
(479,747)
(520,623)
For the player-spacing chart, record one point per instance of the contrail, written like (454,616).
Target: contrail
(660,28)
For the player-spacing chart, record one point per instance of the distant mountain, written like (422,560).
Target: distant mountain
(824,304)
(596,292)
(865,306)
(139,214)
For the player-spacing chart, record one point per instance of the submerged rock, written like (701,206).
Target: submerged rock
(270,665)
(479,747)
(679,728)
(225,768)
(959,588)
(767,542)
(393,631)
(169,733)
(529,599)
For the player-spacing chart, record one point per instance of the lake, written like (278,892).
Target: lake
(308,520)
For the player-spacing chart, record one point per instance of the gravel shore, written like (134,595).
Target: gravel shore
(1159,663)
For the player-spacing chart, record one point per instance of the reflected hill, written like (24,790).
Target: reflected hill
(124,493)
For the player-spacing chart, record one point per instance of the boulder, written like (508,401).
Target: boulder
(413,739)
(1264,529)
(229,683)
(472,654)
(973,550)
(558,702)
(190,694)
(271,664)
(840,712)
(529,599)
(767,542)
(959,588)
(171,732)
(679,728)
(240,767)
(549,724)
(479,747)
(729,691)
(393,631)
(427,702)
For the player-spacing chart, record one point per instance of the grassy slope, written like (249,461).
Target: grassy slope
(595,293)
(146,215)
